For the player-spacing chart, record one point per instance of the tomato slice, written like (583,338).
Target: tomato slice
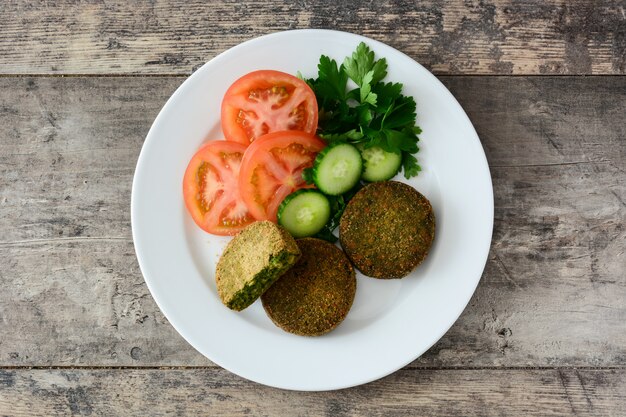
(267,101)
(272,167)
(211,188)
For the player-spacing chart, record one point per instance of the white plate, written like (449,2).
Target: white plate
(392,322)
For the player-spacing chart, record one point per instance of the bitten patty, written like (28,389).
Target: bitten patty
(252,261)
(387,229)
(315,295)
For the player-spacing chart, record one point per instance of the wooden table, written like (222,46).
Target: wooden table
(543,82)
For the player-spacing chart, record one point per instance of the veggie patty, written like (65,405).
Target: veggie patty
(387,229)
(315,295)
(252,261)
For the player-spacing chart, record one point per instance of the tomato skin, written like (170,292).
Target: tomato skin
(271,169)
(267,101)
(211,188)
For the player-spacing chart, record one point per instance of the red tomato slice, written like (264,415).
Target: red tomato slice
(211,188)
(272,167)
(267,101)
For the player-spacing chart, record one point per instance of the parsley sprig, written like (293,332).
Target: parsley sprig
(375,113)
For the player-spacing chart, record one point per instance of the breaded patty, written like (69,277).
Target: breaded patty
(252,261)
(387,229)
(315,295)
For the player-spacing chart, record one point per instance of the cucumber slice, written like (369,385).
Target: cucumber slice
(304,213)
(379,165)
(337,168)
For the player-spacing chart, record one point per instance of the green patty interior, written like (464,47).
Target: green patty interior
(253,289)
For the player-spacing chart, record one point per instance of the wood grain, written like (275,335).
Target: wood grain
(552,293)
(176,36)
(568,392)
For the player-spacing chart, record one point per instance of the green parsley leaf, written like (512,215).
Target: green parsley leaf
(307,175)
(333,78)
(364,114)
(361,62)
(409,165)
(399,140)
(387,93)
(367,96)
(349,136)
(400,113)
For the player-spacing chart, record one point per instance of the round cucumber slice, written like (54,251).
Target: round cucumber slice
(379,165)
(337,168)
(304,213)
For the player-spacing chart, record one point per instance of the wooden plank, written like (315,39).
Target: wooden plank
(552,293)
(548,392)
(176,36)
